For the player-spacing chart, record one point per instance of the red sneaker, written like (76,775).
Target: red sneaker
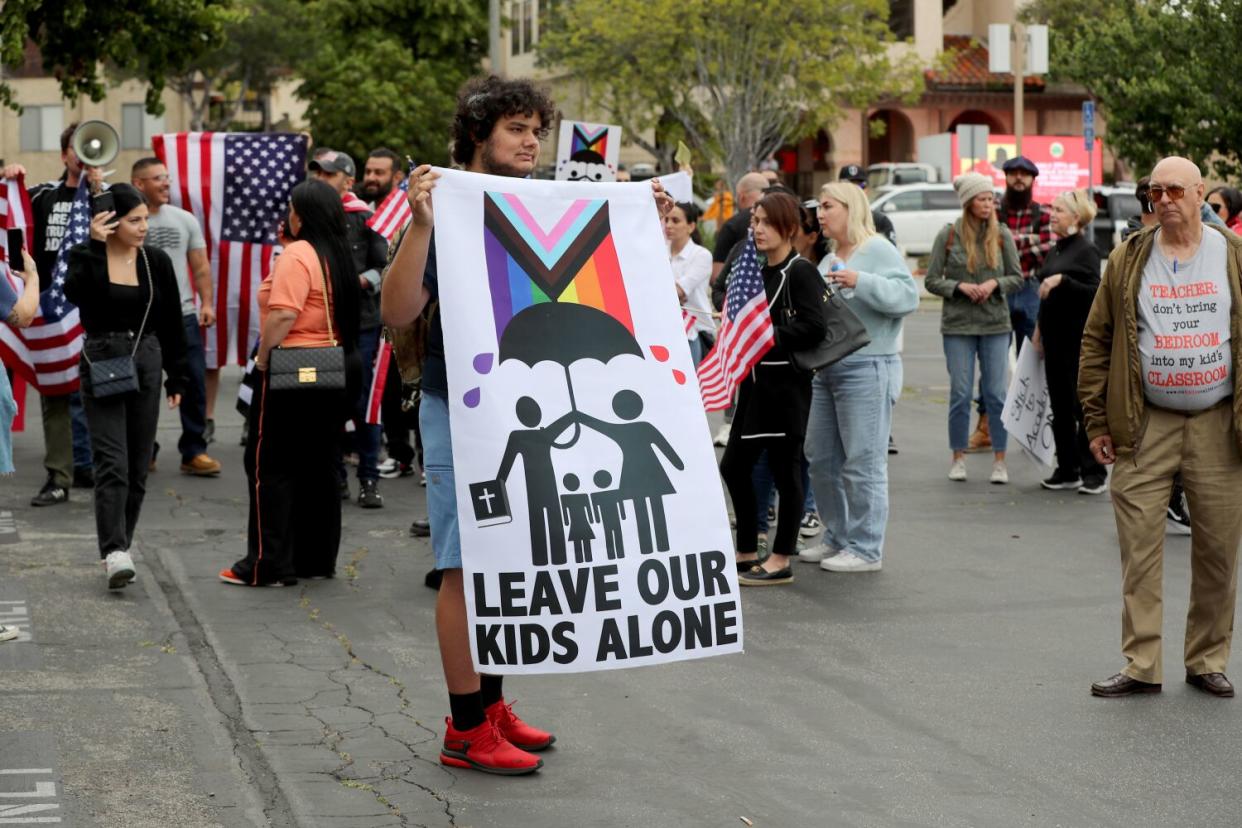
(517,731)
(483,748)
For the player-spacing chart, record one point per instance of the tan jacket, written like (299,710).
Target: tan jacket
(1110,374)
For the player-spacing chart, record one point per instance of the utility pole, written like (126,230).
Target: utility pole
(1028,56)
(1019,85)
(493,35)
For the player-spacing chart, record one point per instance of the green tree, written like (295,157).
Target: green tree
(151,38)
(737,81)
(1162,71)
(387,72)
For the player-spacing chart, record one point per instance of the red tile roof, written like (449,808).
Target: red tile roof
(969,69)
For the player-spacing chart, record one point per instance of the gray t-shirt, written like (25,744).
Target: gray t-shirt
(1183,327)
(176,232)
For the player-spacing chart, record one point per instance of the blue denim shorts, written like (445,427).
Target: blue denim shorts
(433,424)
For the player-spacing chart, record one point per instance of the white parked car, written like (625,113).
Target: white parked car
(918,212)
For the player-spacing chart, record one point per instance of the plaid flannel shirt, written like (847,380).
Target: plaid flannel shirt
(1032,233)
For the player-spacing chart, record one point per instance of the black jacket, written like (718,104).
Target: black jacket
(775,398)
(1064,313)
(86,286)
(370,252)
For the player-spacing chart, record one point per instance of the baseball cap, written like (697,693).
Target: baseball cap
(1020,164)
(853,172)
(333,161)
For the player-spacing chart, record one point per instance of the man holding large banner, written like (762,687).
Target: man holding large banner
(577,428)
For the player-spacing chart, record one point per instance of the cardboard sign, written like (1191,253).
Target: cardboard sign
(587,152)
(592,519)
(1028,414)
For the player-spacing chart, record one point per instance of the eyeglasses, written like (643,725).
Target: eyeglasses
(1216,206)
(1173,191)
(160,178)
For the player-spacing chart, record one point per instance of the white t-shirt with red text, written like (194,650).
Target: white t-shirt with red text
(1183,327)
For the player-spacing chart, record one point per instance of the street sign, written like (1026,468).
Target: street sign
(1088,124)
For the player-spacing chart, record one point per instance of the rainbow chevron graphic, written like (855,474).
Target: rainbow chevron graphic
(586,139)
(574,262)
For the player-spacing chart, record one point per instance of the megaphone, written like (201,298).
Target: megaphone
(96,143)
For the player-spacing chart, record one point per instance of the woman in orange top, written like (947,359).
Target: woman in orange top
(295,435)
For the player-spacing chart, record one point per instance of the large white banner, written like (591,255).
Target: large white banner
(593,525)
(1028,414)
(587,152)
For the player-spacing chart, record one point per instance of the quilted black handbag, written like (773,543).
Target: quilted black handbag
(844,332)
(119,375)
(306,369)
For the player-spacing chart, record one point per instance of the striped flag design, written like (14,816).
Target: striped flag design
(237,185)
(745,333)
(47,352)
(392,213)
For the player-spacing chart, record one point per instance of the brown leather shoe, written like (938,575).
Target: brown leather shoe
(1122,685)
(201,466)
(981,439)
(1215,684)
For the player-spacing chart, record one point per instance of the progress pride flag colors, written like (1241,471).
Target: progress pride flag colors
(593,527)
(237,185)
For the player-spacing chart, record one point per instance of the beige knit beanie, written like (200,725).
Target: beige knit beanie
(970,185)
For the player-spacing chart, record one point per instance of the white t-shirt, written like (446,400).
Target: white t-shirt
(1183,327)
(692,270)
(176,232)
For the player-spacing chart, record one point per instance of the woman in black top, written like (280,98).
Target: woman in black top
(775,398)
(129,304)
(1068,281)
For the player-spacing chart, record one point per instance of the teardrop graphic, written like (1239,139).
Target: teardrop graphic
(471,398)
(660,353)
(483,363)
(679,376)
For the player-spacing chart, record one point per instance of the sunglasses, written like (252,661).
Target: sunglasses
(1173,191)
(1217,207)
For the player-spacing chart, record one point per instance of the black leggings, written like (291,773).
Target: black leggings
(785,460)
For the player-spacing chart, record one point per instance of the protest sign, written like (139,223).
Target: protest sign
(587,152)
(679,185)
(592,519)
(1028,415)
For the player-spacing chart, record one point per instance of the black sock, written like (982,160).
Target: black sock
(490,690)
(467,710)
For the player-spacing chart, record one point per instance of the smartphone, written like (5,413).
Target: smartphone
(102,203)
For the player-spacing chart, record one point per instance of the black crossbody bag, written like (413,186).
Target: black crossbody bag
(119,375)
(844,332)
(307,369)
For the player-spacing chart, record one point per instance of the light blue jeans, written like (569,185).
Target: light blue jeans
(847,445)
(960,353)
(433,423)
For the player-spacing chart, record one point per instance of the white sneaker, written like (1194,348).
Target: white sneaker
(1000,474)
(847,561)
(8,633)
(957,471)
(390,465)
(722,435)
(120,568)
(816,553)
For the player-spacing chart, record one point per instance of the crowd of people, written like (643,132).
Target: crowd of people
(807,450)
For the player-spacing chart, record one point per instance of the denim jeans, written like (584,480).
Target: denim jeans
(368,439)
(847,444)
(193,406)
(765,490)
(1024,311)
(960,352)
(433,422)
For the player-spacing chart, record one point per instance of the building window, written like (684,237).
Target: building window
(137,127)
(41,127)
(523,29)
(901,18)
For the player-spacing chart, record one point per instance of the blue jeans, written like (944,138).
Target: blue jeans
(765,490)
(1024,310)
(368,438)
(82,458)
(847,443)
(433,423)
(960,352)
(194,401)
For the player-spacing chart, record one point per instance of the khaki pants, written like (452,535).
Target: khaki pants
(58,439)
(1204,448)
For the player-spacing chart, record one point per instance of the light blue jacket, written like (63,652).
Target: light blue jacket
(8,410)
(884,294)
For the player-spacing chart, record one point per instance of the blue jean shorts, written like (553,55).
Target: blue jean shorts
(433,424)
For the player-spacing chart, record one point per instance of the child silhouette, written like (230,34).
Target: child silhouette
(609,510)
(576,511)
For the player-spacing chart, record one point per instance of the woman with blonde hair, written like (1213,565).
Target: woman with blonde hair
(974,263)
(852,400)
(1067,285)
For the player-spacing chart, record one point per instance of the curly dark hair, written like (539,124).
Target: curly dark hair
(483,101)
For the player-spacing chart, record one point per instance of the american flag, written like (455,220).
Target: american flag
(237,185)
(379,379)
(392,213)
(745,333)
(46,353)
